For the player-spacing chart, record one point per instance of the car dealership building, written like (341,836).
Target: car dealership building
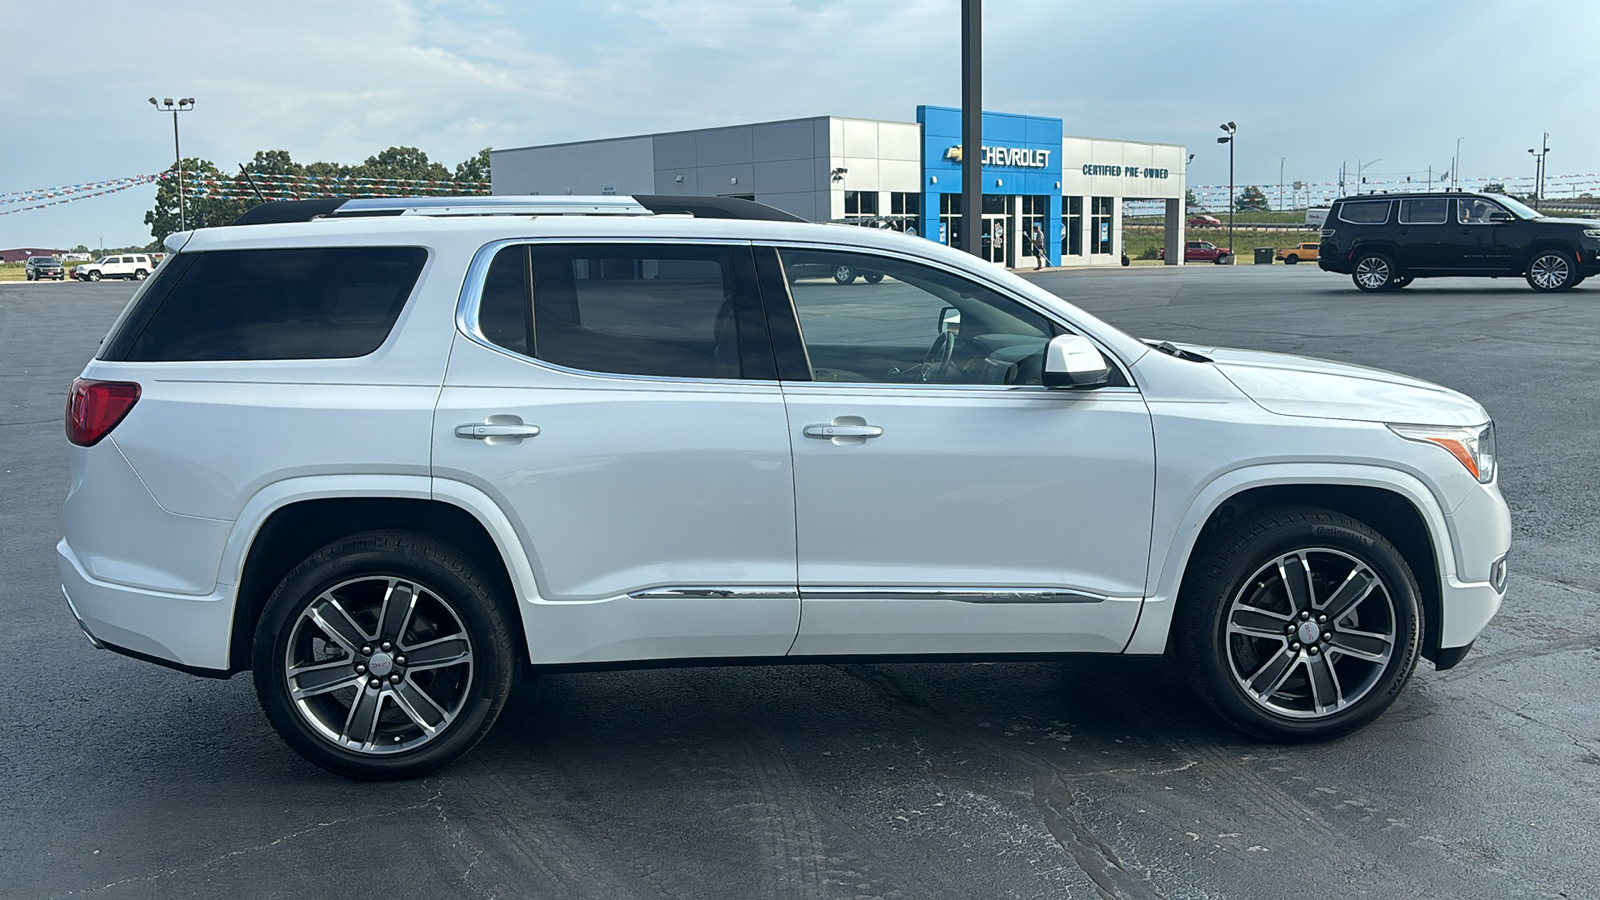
(901,175)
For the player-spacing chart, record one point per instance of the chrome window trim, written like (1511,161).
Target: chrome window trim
(955,594)
(472,295)
(1400,215)
(1047,314)
(1388,211)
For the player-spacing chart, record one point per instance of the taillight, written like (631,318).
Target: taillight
(95,407)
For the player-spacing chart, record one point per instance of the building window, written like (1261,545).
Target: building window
(904,210)
(860,203)
(950,219)
(1100,225)
(1071,226)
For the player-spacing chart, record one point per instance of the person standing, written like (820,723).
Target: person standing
(1038,247)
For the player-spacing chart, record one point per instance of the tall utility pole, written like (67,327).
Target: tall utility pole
(1281,160)
(1231,129)
(1455,167)
(1538,170)
(972,126)
(183,105)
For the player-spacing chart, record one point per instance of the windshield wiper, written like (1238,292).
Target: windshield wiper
(1172,349)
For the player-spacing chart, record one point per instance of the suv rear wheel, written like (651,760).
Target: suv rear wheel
(1552,270)
(1301,624)
(1373,272)
(383,655)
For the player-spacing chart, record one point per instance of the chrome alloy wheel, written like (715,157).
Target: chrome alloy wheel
(1372,272)
(379,664)
(1549,272)
(1310,633)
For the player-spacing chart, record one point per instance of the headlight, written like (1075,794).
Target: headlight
(1592,232)
(1473,447)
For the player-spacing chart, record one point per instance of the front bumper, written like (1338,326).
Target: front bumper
(181,631)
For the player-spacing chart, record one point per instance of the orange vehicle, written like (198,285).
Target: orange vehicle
(1292,255)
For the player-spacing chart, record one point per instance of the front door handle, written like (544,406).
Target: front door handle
(485,430)
(843,430)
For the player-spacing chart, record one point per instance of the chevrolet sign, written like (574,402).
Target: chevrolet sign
(1006,156)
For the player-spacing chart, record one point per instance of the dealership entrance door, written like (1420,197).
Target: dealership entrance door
(995,233)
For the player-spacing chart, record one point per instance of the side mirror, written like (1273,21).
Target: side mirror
(949,320)
(1498,216)
(1073,361)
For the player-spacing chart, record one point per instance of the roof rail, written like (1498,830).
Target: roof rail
(278,211)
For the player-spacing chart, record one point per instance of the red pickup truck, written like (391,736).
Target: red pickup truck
(1201,251)
(1204,222)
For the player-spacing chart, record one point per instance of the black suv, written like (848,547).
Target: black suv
(1385,241)
(38,268)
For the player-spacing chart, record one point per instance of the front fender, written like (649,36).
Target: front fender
(1168,565)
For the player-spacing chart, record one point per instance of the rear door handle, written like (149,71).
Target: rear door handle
(483,430)
(837,431)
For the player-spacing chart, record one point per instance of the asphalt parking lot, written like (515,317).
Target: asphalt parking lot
(1082,778)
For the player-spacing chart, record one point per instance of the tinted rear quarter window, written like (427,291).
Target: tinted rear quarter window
(303,303)
(1364,212)
(1423,211)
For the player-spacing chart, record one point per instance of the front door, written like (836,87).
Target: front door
(618,403)
(1488,238)
(945,500)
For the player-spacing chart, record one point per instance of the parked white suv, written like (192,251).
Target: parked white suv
(135,266)
(380,456)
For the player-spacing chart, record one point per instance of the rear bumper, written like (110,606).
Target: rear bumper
(181,631)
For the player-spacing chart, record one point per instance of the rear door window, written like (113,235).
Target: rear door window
(665,310)
(301,303)
(1424,211)
(1364,212)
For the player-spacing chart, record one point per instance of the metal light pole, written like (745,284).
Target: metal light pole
(184,105)
(1362,167)
(1232,130)
(1280,182)
(1538,171)
(972,126)
(1455,167)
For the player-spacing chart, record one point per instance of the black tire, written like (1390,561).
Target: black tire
(94,276)
(873,277)
(843,275)
(1290,260)
(1232,630)
(140,275)
(451,612)
(1373,272)
(1552,270)
(1221,260)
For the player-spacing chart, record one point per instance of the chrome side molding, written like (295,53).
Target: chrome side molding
(956,594)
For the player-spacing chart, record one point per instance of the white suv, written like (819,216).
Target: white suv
(135,267)
(380,452)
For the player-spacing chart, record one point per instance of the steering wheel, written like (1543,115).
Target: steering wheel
(944,347)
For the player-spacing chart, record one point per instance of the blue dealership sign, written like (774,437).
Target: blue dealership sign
(1021,156)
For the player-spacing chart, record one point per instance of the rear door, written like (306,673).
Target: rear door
(618,402)
(1423,234)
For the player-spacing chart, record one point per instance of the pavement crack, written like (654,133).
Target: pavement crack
(1051,794)
(245,851)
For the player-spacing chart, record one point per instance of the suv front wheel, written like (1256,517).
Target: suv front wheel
(1373,272)
(1552,270)
(1301,624)
(383,655)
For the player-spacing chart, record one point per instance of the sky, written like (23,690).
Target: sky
(1311,86)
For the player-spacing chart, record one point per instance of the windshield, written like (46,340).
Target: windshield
(1517,209)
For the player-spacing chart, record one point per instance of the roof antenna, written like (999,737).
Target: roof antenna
(252,183)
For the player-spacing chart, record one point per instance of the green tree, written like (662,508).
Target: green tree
(397,169)
(475,169)
(1251,198)
(206,200)
(80,249)
(1189,201)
